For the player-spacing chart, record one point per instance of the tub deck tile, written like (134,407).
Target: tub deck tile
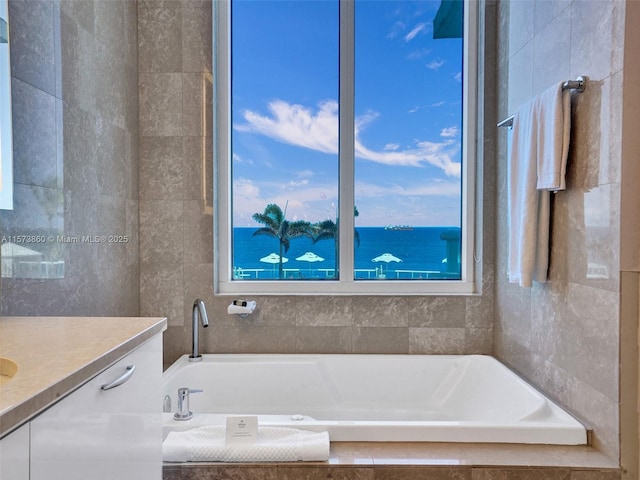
(418,461)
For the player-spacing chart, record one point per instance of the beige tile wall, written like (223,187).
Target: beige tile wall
(176,227)
(564,335)
(75,118)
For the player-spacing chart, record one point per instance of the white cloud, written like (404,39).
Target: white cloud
(422,107)
(435,188)
(450,132)
(418,54)
(297,125)
(298,183)
(391,147)
(435,64)
(300,126)
(415,31)
(458,77)
(238,159)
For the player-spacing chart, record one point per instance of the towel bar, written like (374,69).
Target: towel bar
(578,85)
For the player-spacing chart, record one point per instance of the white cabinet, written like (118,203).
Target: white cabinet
(14,455)
(105,434)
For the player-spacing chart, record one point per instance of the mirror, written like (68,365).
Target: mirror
(6,148)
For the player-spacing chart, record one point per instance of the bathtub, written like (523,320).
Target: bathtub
(387,398)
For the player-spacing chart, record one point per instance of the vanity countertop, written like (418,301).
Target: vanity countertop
(55,355)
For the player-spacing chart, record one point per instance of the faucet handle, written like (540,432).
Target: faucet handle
(183,412)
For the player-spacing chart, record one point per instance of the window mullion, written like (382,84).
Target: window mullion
(347,140)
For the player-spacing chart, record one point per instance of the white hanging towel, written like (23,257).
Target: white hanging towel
(274,444)
(537,165)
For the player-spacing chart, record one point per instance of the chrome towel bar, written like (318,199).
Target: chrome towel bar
(578,85)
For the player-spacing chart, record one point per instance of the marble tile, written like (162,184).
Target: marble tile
(196,38)
(160,98)
(198,234)
(161,232)
(372,311)
(161,292)
(81,12)
(109,24)
(78,55)
(520,77)
(218,339)
(160,35)
(520,474)
(478,341)
(437,341)
(79,148)
(35,139)
(267,339)
(161,168)
(325,340)
(422,473)
(198,169)
(595,475)
(592,38)
(380,340)
(111,159)
(131,34)
(325,312)
(132,224)
(324,472)
(229,471)
(552,53)
(197,104)
(446,312)
(171,472)
(32,43)
(546,11)
(520,25)
(115,87)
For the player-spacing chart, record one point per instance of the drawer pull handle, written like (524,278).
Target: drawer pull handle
(120,380)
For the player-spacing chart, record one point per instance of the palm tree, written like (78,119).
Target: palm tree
(328,229)
(275,225)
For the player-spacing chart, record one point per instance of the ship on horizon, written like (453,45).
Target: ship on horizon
(398,227)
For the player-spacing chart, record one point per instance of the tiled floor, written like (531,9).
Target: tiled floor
(418,461)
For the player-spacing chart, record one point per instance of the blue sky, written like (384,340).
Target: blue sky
(285,112)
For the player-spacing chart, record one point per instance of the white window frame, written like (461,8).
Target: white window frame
(223,281)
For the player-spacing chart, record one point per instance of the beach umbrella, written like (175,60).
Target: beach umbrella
(274,259)
(386,257)
(310,257)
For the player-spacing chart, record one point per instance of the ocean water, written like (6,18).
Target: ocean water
(421,250)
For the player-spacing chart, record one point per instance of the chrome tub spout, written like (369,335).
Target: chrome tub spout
(198,311)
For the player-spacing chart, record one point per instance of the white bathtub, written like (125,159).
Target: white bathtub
(435,398)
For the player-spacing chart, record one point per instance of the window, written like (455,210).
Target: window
(344,146)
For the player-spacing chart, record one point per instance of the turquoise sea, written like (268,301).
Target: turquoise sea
(421,249)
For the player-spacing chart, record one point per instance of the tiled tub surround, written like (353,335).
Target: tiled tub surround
(420,461)
(564,336)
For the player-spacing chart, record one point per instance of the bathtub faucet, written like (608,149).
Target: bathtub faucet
(183,414)
(198,311)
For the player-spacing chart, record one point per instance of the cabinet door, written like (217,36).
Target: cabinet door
(113,434)
(14,455)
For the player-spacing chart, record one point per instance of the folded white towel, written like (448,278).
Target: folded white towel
(553,112)
(274,444)
(537,164)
